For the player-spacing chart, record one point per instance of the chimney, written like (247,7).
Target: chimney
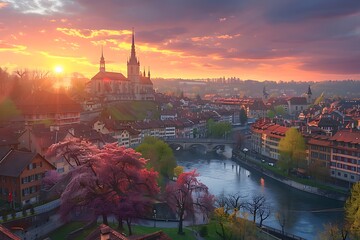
(105,233)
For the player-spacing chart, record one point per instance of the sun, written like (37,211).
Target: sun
(58,69)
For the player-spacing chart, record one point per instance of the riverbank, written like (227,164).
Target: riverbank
(255,165)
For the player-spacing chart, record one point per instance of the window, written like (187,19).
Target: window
(352,177)
(345,175)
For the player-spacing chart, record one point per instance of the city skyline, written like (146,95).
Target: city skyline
(277,40)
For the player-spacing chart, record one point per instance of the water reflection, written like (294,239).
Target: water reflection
(305,214)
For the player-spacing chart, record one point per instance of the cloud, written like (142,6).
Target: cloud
(282,11)
(3,5)
(92,33)
(8,47)
(42,7)
(341,65)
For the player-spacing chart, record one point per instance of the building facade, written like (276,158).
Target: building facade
(21,175)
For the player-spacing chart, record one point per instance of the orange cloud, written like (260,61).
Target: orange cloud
(3,4)
(89,33)
(7,47)
(205,38)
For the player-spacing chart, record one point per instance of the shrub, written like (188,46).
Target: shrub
(4,214)
(24,213)
(203,231)
(13,214)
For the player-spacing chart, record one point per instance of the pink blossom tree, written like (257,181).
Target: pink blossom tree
(188,196)
(110,180)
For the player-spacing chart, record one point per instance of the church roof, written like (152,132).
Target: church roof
(145,80)
(109,76)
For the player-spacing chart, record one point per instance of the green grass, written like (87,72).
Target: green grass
(134,110)
(171,232)
(62,232)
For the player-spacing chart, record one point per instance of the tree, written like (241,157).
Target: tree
(188,196)
(218,129)
(282,220)
(264,213)
(319,99)
(50,179)
(239,140)
(230,201)
(8,109)
(333,232)
(319,171)
(257,205)
(243,116)
(232,227)
(178,170)
(160,155)
(352,210)
(279,110)
(292,150)
(271,113)
(110,180)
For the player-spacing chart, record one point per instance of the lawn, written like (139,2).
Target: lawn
(62,232)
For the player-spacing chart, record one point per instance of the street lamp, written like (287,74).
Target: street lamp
(245,150)
(154,218)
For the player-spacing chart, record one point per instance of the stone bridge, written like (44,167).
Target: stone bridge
(207,144)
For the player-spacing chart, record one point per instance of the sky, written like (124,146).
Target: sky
(301,40)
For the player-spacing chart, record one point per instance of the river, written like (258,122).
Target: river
(305,213)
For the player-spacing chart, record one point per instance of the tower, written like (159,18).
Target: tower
(309,94)
(265,93)
(102,61)
(133,65)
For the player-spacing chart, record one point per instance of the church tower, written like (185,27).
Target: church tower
(102,61)
(309,95)
(265,93)
(133,65)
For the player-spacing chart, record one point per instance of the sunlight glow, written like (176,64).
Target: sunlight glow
(58,69)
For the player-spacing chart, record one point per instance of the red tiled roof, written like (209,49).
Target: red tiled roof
(349,136)
(109,76)
(319,142)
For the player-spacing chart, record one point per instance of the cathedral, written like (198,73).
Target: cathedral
(113,86)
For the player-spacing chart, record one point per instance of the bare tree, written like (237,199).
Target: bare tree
(264,213)
(221,201)
(234,201)
(230,202)
(282,219)
(257,202)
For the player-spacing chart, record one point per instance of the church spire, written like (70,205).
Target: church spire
(149,73)
(102,60)
(309,94)
(265,93)
(309,91)
(133,59)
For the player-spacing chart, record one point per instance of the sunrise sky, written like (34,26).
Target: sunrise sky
(250,39)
